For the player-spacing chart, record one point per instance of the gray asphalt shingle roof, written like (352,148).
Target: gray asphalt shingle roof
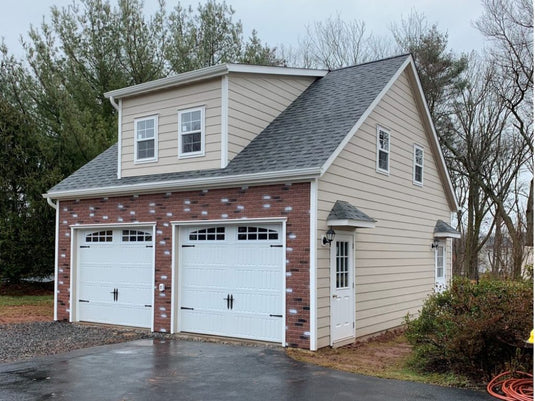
(304,135)
(343,210)
(444,228)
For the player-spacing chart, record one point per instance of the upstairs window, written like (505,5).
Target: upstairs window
(146,139)
(418,169)
(383,150)
(191,132)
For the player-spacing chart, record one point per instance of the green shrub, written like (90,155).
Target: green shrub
(476,330)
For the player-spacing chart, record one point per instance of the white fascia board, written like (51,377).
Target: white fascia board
(189,184)
(274,70)
(211,72)
(180,79)
(364,116)
(435,141)
(447,235)
(351,223)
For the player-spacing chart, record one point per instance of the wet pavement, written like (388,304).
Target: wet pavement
(187,370)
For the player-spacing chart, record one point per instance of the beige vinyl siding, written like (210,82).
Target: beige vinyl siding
(254,101)
(166,104)
(394,264)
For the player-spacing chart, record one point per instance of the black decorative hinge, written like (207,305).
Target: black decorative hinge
(275,315)
(83,300)
(186,308)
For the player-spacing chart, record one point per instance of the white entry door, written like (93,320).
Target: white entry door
(342,289)
(231,281)
(440,271)
(115,276)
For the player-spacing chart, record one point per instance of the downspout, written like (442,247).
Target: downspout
(55,206)
(118,107)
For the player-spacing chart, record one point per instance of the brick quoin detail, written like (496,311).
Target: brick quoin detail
(280,200)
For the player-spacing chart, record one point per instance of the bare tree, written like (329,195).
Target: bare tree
(508,24)
(335,43)
(489,156)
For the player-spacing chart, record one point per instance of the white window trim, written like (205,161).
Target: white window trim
(414,165)
(151,159)
(377,168)
(200,153)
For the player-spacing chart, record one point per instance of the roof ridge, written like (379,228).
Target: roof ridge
(371,62)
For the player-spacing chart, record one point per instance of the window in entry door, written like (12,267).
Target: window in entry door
(342,264)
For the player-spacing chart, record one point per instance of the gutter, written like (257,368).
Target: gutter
(189,184)
(118,107)
(51,203)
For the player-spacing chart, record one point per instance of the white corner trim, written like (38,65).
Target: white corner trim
(435,141)
(313,264)
(119,138)
(364,116)
(224,121)
(56,263)
(351,223)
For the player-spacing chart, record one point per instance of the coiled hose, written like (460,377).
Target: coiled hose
(512,386)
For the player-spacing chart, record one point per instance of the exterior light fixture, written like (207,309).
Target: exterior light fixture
(434,244)
(329,236)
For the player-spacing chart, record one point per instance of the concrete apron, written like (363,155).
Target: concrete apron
(188,370)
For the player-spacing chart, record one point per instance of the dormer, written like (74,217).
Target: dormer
(201,119)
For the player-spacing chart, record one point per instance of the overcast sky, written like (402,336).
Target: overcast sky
(283,21)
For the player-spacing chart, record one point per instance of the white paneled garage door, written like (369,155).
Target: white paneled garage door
(231,281)
(115,276)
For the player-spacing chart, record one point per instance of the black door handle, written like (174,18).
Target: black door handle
(228,301)
(231,301)
(115,293)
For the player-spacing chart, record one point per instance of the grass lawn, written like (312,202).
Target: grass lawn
(387,356)
(26,303)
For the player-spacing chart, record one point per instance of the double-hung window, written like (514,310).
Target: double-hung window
(418,165)
(191,132)
(383,150)
(146,139)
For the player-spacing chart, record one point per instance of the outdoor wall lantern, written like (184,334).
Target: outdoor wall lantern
(434,244)
(329,236)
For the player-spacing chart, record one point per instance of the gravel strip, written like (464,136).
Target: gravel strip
(22,341)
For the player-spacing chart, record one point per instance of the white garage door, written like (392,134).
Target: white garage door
(232,281)
(115,276)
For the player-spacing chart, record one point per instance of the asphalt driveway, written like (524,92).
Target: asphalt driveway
(186,370)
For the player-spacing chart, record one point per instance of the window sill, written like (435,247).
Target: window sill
(383,172)
(145,161)
(191,155)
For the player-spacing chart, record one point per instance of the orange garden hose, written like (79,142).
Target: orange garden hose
(509,387)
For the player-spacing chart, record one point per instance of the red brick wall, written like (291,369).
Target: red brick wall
(282,200)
